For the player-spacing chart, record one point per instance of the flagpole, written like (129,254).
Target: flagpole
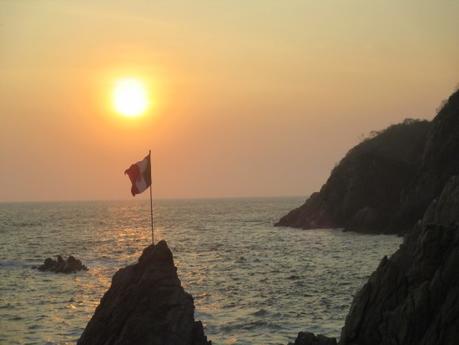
(151,202)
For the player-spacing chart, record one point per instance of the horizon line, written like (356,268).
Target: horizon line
(157,199)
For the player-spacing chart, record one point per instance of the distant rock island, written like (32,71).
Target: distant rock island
(146,304)
(385,183)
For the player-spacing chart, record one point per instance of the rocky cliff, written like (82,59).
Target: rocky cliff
(385,183)
(438,164)
(146,304)
(364,189)
(413,297)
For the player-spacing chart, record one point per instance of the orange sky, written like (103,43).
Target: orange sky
(256,98)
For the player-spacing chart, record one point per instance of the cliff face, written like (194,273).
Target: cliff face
(146,304)
(444,210)
(364,189)
(438,164)
(385,183)
(413,297)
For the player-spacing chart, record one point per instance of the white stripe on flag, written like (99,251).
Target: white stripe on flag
(141,184)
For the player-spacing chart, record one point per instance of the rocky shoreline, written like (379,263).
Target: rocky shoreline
(413,297)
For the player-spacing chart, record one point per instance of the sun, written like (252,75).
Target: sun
(130,97)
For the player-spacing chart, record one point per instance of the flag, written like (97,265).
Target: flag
(140,175)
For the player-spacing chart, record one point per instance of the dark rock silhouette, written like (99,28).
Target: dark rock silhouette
(386,183)
(146,304)
(363,190)
(444,210)
(71,265)
(413,297)
(438,164)
(307,338)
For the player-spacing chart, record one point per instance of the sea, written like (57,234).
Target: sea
(252,283)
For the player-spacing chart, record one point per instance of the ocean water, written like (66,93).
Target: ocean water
(252,283)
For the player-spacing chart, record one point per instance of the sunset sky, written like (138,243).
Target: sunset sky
(247,98)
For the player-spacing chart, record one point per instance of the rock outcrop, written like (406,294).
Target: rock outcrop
(363,190)
(60,265)
(146,304)
(438,164)
(413,297)
(307,338)
(386,183)
(444,210)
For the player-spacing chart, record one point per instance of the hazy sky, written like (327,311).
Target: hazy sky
(251,98)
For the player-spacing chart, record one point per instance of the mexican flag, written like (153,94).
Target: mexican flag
(140,175)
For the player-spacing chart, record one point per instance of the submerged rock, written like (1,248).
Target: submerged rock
(307,338)
(60,265)
(146,304)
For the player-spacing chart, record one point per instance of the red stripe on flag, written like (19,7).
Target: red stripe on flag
(134,175)
(140,175)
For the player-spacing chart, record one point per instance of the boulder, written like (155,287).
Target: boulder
(146,304)
(71,265)
(307,338)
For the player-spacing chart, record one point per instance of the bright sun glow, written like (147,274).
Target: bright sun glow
(130,97)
